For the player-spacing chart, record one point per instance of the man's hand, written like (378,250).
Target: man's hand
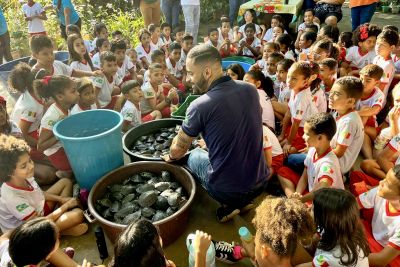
(167,158)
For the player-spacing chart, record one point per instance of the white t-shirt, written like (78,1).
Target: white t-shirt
(396,62)
(28,108)
(327,166)
(271,142)
(301,106)
(36,25)
(267,110)
(332,258)
(79,65)
(183,58)
(218,47)
(242,31)
(302,27)
(388,72)
(349,133)
(124,69)
(148,93)
(376,98)
(77,108)
(319,100)
(290,55)
(141,52)
(5,259)
(131,114)
(157,45)
(106,88)
(255,44)
(394,145)
(190,2)
(221,39)
(284,93)
(17,204)
(176,70)
(60,68)
(269,35)
(96,60)
(53,115)
(164,41)
(385,224)
(358,60)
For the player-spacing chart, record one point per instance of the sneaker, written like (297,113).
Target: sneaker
(69,251)
(225,214)
(247,208)
(227,252)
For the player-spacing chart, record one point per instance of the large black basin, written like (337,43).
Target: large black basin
(147,128)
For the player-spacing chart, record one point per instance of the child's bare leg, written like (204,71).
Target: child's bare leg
(62,188)
(371,132)
(156,114)
(367,147)
(60,259)
(372,168)
(45,174)
(287,185)
(68,222)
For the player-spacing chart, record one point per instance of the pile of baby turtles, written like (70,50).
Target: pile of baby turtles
(144,195)
(157,144)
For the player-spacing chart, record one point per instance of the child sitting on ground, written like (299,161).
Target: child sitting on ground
(281,106)
(363,51)
(348,140)
(22,199)
(187,44)
(273,152)
(308,20)
(154,96)
(102,45)
(249,45)
(100,31)
(329,32)
(20,247)
(345,42)
(328,73)
(267,50)
(277,31)
(265,92)
(301,107)
(87,96)
(382,230)
(165,36)
(176,73)
(79,58)
(336,214)
(286,46)
(275,21)
(370,105)
(107,86)
(131,110)
(213,38)
(155,33)
(42,50)
(179,33)
(132,54)
(226,36)
(249,18)
(62,90)
(323,49)
(306,40)
(6,126)
(126,69)
(145,48)
(385,44)
(322,167)
(73,29)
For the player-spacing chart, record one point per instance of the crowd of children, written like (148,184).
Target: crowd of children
(325,97)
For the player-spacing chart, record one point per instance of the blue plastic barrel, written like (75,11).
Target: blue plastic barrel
(92,141)
(246,66)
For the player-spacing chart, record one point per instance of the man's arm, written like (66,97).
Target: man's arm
(180,145)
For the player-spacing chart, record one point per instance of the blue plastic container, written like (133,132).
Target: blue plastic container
(92,141)
(246,66)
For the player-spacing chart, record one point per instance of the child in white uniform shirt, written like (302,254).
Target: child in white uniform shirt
(34,14)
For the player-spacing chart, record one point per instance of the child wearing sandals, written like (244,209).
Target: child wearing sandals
(22,199)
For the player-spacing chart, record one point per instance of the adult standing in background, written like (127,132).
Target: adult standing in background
(171,10)
(361,11)
(5,50)
(66,15)
(328,11)
(151,11)
(234,6)
(191,12)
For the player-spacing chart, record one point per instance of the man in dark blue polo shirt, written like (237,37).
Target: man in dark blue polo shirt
(228,115)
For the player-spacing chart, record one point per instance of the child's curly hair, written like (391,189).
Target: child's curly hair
(364,31)
(11,148)
(282,222)
(21,78)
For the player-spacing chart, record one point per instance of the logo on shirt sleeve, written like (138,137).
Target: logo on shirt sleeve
(299,112)
(321,261)
(21,207)
(31,114)
(327,169)
(345,134)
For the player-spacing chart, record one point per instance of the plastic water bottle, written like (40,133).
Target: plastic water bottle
(248,242)
(210,258)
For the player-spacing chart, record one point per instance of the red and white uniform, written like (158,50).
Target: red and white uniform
(96,60)
(385,224)
(394,145)
(28,108)
(325,167)
(255,44)
(131,114)
(18,204)
(53,115)
(175,69)
(332,258)
(77,108)
(35,25)
(388,72)
(267,109)
(271,142)
(164,41)
(81,65)
(60,68)
(357,59)
(301,106)
(242,31)
(221,38)
(142,52)
(125,67)
(106,88)
(284,93)
(375,99)
(319,99)
(349,133)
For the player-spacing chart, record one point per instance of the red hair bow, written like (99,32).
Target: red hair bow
(46,80)
(364,32)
